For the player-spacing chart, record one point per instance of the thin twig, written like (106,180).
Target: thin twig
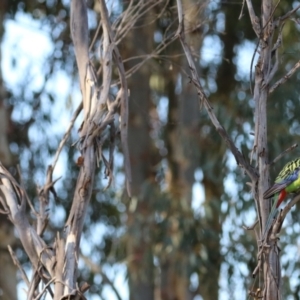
(95,36)
(143,7)
(66,135)
(241,161)
(285,77)
(95,268)
(27,198)
(271,15)
(275,228)
(43,194)
(122,96)
(241,13)
(276,159)
(33,287)
(289,206)
(252,226)
(287,15)
(17,263)
(31,241)
(257,268)
(273,70)
(131,17)
(44,289)
(251,67)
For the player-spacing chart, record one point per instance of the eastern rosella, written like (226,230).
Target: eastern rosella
(287,181)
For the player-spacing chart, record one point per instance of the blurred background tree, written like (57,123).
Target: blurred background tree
(181,235)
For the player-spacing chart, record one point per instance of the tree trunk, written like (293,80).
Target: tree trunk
(142,154)
(8,278)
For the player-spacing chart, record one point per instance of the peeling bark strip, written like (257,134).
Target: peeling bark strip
(110,48)
(99,113)
(80,34)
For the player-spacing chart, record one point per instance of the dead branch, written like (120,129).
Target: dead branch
(83,189)
(282,215)
(109,48)
(66,135)
(125,23)
(39,296)
(33,287)
(132,14)
(251,227)
(289,14)
(241,161)
(35,247)
(101,113)
(269,247)
(17,263)
(242,9)
(27,198)
(42,219)
(285,77)
(96,269)
(277,158)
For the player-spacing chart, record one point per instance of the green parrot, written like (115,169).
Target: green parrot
(287,181)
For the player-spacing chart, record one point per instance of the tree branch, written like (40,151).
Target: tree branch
(291,12)
(35,247)
(285,77)
(241,161)
(17,263)
(66,135)
(101,112)
(274,161)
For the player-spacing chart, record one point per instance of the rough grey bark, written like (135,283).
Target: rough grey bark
(264,72)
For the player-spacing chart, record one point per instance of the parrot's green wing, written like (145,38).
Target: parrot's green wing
(287,175)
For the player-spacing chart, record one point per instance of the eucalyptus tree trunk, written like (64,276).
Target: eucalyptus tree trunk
(265,69)
(185,144)
(142,158)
